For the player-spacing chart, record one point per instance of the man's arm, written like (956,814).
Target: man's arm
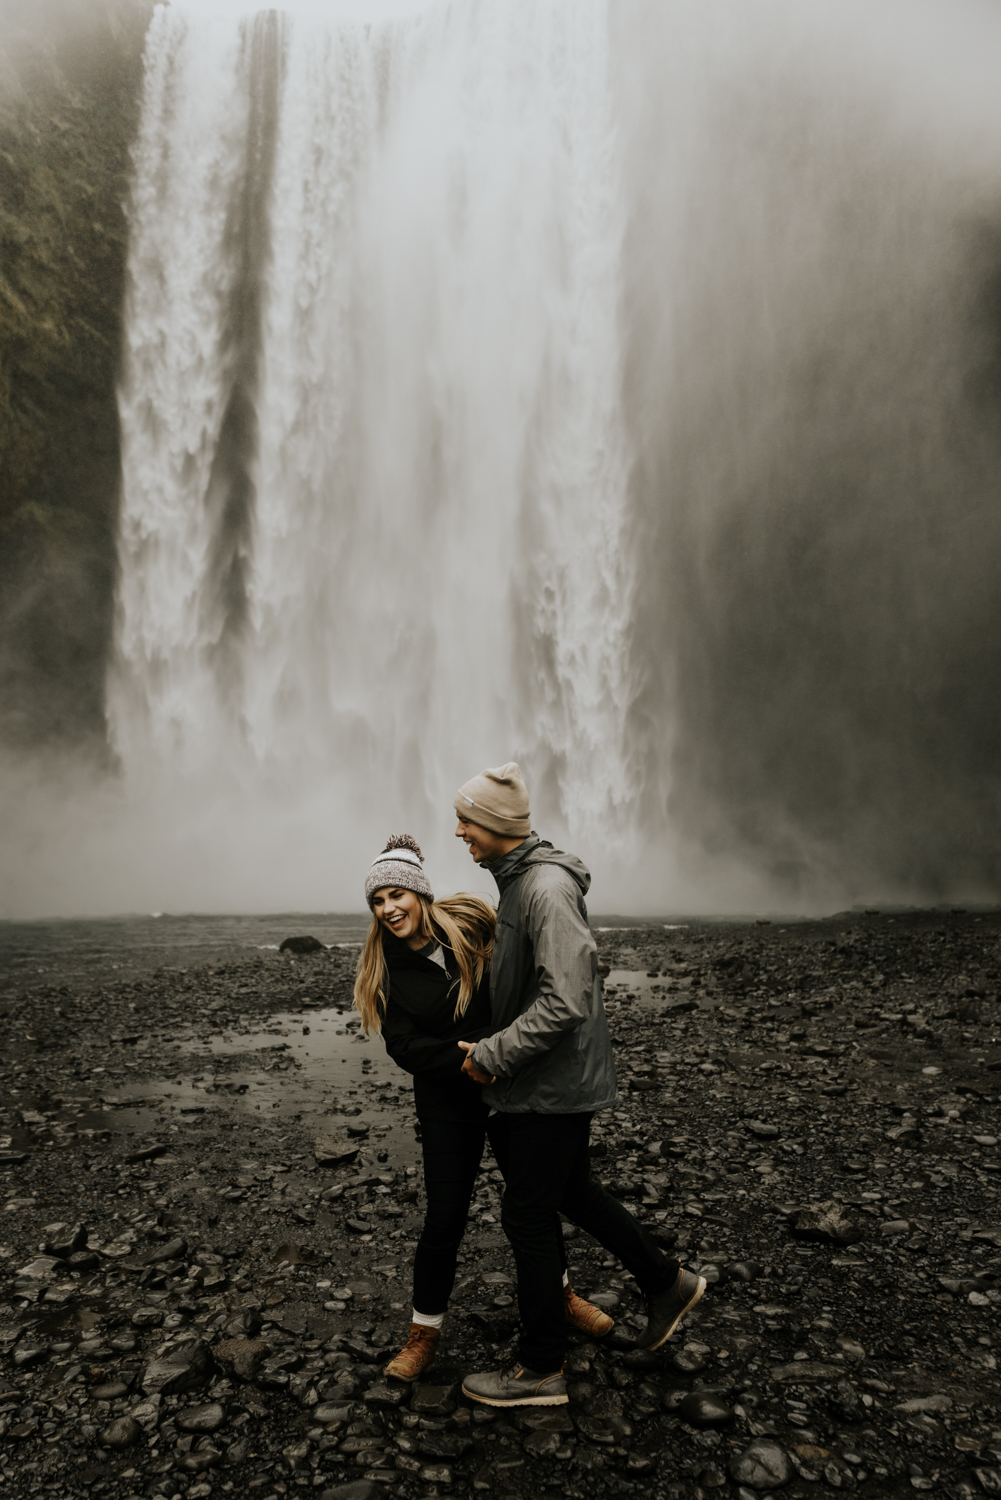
(565,965)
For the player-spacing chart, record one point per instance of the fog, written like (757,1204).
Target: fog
(616,388)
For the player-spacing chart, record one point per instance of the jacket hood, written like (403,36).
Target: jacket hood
(536,851)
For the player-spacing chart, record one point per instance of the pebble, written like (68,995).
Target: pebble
(208,1418)
(122,1433)
(705,1409)
(762,1466)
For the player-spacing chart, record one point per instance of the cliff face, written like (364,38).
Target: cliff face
(70,83)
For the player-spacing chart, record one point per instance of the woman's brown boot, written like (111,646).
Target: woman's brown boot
(584,1315)
(417,1354)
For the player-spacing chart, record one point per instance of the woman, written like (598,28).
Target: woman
(423,982)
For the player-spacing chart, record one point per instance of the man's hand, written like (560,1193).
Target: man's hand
(470,1068)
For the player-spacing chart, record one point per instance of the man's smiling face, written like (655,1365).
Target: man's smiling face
(484,845)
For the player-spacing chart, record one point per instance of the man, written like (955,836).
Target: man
(548,1067)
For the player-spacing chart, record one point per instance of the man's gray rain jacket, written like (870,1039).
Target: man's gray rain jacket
(551,1051)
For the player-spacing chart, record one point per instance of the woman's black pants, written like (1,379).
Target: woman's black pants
(452,1152)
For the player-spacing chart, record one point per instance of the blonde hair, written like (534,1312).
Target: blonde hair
(464,923)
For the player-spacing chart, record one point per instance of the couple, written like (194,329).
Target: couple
(499,1017)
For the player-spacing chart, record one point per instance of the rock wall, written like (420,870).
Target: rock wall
(70,83)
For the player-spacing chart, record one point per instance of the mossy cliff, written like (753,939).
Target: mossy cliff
(70,86)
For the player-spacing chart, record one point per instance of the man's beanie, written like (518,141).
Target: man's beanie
(497,799)
(401,863)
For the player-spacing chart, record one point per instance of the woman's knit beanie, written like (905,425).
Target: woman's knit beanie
(496,799)
(401,863)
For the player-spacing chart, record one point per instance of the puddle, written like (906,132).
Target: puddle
(664,989)
(309,1064)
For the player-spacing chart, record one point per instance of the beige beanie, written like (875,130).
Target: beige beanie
(497,799)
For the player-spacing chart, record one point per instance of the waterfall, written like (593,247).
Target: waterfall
(609,386)
(375,469)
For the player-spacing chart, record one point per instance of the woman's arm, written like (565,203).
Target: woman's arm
(415,1050)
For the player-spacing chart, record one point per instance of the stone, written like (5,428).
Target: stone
(989,1480)
(892,1227)
(42,1267)
(436,1474)
(63,1248)
(333,1151)
(359,1489)
(300,945)
(806,1371)
(147,1153)
(762,1466)
(850,1348)
(27,1355)
(761,1129)
(124,1432)
(925,1403)
(746,1270)
(172,1249)
(296,1455)
(386,1397)
(705,1409)
(825,1223)
(207,1418)
(198,1462)
(182,1369)
(147,1317)
(434,1400)
(241,1357)
(689,1361)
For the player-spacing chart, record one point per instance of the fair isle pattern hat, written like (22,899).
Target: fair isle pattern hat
(401,863)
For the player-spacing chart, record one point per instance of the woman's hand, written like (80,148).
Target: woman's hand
(470,1068)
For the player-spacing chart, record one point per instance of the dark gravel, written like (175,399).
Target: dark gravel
(191,1304)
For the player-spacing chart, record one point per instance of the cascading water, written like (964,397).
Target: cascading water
(608,384)
(375,467)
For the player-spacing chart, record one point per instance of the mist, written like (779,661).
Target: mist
(616,389)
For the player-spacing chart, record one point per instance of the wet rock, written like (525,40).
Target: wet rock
(124,1432)
(241,1358)
(182,1369)
(27,1355)
(112,1391)
(198,1461)
(147,1153)
(383,1396)
(172,1249)
(989,1480)
(359,1489)
(892,1227)
(434,1400)
(806,1371)
(746,1270)
(41,1268)
(825,1223)
(334,1151)
(329,1412)
(542,1444)
(66,1246)
(690,1360)
(300,945)
(925,1403)
(207,1418)
(147,1317)
(762,1130)
(762,1466)
(705,1409)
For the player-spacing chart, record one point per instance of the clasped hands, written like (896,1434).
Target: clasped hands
(470,1068)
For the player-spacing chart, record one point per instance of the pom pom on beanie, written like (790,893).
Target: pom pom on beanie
(401,864)
(497,799)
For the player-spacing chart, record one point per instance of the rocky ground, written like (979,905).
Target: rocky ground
(211,1202)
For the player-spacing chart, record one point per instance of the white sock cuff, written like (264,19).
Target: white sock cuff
(428,1320)
(566,1278)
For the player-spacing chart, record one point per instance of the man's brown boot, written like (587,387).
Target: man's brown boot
(584,1315)
(417,1354)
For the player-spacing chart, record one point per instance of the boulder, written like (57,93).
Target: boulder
(302,945)
(182,1369)
(762,1466)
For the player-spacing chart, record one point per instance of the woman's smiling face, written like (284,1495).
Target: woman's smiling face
(400,911)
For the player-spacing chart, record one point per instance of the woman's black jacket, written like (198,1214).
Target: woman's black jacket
(421,1032)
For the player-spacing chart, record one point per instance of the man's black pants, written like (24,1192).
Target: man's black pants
(452,1152)
(546,1164)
